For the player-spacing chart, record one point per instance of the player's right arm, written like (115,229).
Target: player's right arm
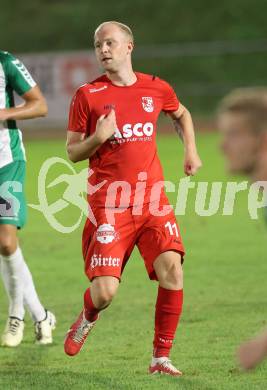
(79,147)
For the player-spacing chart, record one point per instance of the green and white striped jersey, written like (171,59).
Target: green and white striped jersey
(13,77)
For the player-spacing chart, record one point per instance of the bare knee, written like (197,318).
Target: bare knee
(169,270)
(175,275)
(8,244)
(103,290)
(8,239)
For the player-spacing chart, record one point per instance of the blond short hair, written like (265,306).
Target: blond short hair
(123,27)
(251,102)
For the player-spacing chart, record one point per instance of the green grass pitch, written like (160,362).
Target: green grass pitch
(225,295)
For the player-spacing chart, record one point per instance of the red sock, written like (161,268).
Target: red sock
(90,311)
(168,310)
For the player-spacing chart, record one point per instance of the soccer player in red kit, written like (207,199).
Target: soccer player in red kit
(113,123)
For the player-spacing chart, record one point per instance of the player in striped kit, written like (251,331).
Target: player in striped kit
(15,273)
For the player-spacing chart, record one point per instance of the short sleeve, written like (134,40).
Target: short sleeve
(18,76)
(170,100)
(79,113)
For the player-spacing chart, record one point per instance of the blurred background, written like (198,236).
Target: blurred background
(203,48)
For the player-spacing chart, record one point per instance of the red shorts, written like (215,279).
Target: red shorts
(107,247)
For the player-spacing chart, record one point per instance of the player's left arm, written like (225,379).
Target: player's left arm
(34,106)
(19,79)
(184,127)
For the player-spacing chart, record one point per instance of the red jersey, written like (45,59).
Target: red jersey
(133,148)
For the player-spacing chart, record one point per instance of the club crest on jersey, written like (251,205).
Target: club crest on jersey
(106,234)
(147,103)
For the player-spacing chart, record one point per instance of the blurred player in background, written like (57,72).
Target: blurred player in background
(243,124)
(15,273)
(112,122)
